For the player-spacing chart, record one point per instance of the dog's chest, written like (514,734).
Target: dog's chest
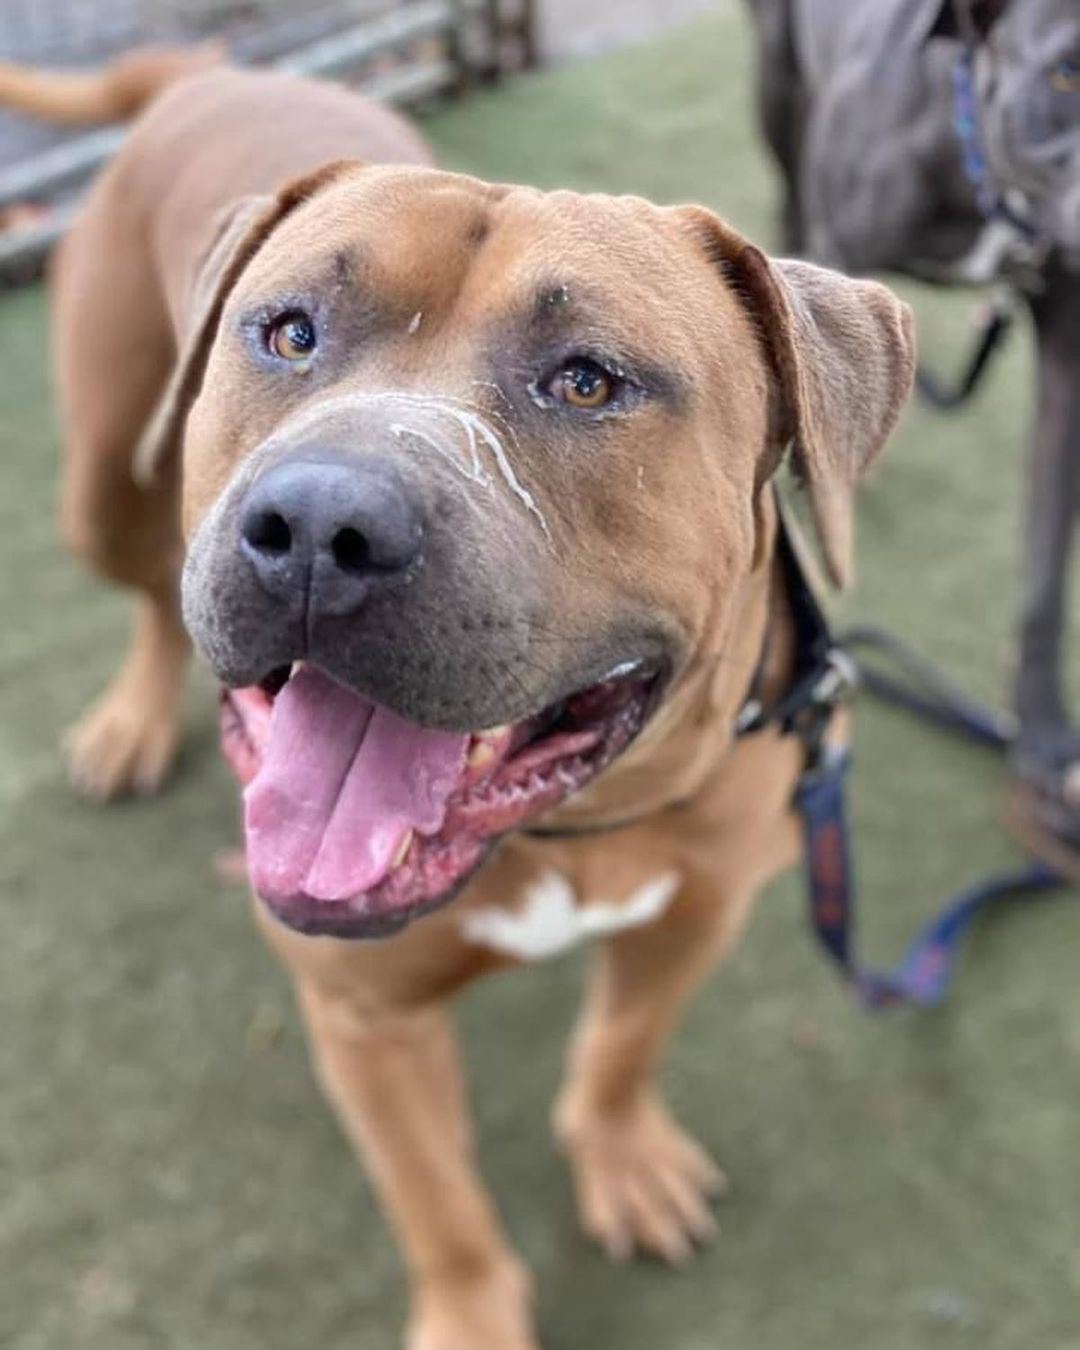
(548,920)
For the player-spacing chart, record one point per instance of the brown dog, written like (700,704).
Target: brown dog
(476,457)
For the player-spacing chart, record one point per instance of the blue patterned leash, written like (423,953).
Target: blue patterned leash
(825,674)
(925,972)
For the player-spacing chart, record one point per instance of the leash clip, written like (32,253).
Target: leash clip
(838,680)
(834,684)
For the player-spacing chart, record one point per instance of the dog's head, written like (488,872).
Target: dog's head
(1029,96)
(490,465)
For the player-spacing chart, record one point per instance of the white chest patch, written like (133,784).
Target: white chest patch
(550,921)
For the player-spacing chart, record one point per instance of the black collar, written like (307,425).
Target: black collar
(822,671)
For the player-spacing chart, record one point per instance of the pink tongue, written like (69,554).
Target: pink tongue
(342,781)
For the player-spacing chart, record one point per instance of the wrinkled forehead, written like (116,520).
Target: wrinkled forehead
(424,242)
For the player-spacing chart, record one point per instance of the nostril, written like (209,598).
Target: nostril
(268,532)
(351,551)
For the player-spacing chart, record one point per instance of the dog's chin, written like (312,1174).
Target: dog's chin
(358,821)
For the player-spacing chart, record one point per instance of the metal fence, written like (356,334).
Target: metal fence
(402,51)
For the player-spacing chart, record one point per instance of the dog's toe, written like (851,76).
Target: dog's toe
(121,747)
(641,1183)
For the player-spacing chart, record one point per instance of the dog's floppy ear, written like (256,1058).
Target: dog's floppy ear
(241,232)
(967,19)
(842,353)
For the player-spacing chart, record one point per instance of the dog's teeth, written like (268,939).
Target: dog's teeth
(296,665)
(402,849)
(481,754)
(486,746)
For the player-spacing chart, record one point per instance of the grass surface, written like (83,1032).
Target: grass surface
(169,1178)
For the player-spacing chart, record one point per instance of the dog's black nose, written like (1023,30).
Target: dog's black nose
(328,525)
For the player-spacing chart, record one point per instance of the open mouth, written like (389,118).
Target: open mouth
(358,821)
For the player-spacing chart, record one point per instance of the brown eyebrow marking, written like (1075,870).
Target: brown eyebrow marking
(478,232)
(553,297)
(552,302)
(347,264)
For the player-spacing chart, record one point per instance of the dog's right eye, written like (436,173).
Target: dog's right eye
(291,336)
(582,383)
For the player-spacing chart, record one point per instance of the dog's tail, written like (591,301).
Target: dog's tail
(112,94)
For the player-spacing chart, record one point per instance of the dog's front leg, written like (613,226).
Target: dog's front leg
(641,1182)
(1049,742)
(397,1087)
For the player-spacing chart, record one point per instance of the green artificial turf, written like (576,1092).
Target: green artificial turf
(168,1177)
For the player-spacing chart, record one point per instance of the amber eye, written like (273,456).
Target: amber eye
(1065,76)
(583,384)
(291,336)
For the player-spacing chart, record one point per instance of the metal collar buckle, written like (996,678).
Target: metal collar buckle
(834,682)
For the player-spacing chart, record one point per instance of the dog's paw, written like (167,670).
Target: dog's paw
(492,1312)
(125,743)
(641,1183)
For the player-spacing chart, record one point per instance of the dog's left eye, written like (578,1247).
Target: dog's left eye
(1065,76)
(583,383)
(291,335)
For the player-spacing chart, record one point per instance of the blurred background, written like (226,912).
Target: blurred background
(168,1174)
